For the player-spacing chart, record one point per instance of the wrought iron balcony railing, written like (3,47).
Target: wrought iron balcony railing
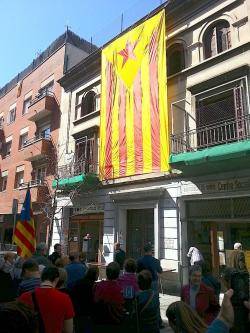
(35,139)
(76,168)
(32,183)
(41,94)
(228,131)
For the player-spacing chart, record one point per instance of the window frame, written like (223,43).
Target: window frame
(25,109)
(3,180)
(12,111)
(22,144)
(175,47)
(9,143)
(17,175)
(214,29)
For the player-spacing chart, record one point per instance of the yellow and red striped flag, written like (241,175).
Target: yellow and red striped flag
(24,234)
(134,137)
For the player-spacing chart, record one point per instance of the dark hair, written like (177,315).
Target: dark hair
(50,274)
(30,265)
(206,268)
(56,245)
(130,265)
(72,257)
(193,269)
(144,279)
(92,274)
(148,247)
(113,271)
(17,317)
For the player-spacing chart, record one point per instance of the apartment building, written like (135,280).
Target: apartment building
(203,200)
(30,118)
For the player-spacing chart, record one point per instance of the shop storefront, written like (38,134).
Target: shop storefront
(216,218)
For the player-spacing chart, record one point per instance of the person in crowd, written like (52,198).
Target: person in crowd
(62,261)
(82,296)
(226,318)
(75,270)
(182,318)
(108,299)
(8,288)
(54,308)
(237,258)
(62,282)
(200,297)
(16,317)
(209,280)
(82,258)
(40,256)
(56,254)
(18,265)
(195,256)
(119,255)
(128,280)
(147,302)
(152,264)
(30,277)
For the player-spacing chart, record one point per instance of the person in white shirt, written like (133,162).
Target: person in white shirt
(196,258)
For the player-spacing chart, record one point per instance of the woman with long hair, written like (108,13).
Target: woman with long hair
(183,319)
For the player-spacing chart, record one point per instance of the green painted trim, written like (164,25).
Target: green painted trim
(213,154)
(67,183)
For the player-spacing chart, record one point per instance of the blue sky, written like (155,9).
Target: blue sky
(28,27)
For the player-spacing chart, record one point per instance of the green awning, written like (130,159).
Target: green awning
(219,158)
(73,182)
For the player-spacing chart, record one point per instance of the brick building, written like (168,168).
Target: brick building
(29,126)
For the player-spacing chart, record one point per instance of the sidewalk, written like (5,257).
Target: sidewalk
(165,301)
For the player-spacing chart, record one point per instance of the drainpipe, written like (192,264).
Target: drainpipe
(68,124)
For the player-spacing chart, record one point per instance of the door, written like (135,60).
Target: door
(140,231)
(93,228)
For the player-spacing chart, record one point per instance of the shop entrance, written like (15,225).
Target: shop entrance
(140,231)
(82,225)
(219,224)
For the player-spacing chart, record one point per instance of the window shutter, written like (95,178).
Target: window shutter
(239,111)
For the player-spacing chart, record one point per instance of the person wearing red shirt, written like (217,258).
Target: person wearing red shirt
(55,308)
(200,297)
(108,298)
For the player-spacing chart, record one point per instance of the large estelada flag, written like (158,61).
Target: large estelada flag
(24,234)
(134,136)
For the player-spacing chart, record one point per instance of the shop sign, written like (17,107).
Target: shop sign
(225,185)
(92,208)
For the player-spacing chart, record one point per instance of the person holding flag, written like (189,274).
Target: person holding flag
(24,233)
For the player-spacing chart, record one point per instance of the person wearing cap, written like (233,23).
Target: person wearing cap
(153,265)
(237,258)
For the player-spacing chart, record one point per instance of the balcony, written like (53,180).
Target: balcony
(76,175)
(42,106)
(38,190)
(222,146)
(37,148)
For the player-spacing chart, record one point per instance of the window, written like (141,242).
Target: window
(22,140)
(8,148)
(12,116)
(88,103)
(26,105)
(3,181)
(45,133)
(39,174)
(1,121)
(217,39)
(85,148)
(19,179)
(175,59)
(49,88)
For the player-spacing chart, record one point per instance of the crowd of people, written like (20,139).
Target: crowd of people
(62,293)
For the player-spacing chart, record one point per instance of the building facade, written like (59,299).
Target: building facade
(29,125)
(203,200)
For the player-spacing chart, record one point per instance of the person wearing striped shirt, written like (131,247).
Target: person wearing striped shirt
(30,277)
